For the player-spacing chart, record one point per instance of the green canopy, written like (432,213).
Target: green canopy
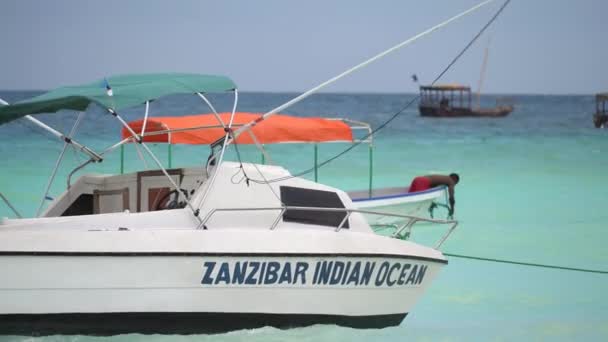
(126,91)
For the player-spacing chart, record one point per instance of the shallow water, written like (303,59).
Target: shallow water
(533,189)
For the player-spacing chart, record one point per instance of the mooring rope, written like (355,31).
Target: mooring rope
(526,263)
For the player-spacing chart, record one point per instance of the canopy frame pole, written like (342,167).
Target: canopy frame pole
(371,169)
(169,131)
(141,157)
(118,144)
(96,157)
(122,159)
(355,68)
(140,141)
(218,163)
(141,135)
(143,127)
(170,148)
(92,154)
(217,116)
(109,149)
(8,203)
(316,156)
(265,155)
(169,157)
(215,113)
(58,163)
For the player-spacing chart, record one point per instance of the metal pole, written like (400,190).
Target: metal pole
(316,148)
(140,141)
(50,181)
(353,69)
(260,147)
(96,157)
(169,148)
(122,159)
(65,146)
(143,127)
(56,133)
(217,116)
(219,160)
(371,169)
(10,205)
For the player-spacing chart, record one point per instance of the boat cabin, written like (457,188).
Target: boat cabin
(601,110)
(454,100)
(444,98)
(134,192)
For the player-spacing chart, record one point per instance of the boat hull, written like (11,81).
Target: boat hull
(113,292)
(600,120)
(496,112)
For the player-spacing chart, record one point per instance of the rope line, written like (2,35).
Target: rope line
(394,116)
(526,263)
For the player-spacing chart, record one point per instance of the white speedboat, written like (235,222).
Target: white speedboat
(225,246)
(398,200)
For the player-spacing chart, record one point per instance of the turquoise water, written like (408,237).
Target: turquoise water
(533,189)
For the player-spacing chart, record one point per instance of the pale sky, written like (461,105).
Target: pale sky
(536,46)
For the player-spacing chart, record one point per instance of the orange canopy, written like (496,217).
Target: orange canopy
(275,129)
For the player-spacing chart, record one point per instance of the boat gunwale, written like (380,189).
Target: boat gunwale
(218,254)
(404,194)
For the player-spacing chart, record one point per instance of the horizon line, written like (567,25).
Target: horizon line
(364,92)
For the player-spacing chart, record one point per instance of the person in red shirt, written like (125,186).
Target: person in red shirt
(422,183)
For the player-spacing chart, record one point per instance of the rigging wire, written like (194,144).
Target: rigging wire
(355,68)
(394,116)
(247,179)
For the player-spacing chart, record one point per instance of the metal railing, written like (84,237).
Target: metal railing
(399,229)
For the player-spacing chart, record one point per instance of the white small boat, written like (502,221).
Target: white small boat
(194,250)
(398,200)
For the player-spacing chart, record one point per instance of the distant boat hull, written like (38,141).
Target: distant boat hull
(600,120)
(496,112)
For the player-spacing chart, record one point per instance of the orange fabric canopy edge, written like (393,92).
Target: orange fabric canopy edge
(275,129)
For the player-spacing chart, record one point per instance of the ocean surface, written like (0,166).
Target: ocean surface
(533,188)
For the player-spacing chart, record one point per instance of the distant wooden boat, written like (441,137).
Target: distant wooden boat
(454,100)
(600,119)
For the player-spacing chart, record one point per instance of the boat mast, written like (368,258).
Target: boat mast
(482,74)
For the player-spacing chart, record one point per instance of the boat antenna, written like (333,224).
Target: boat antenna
(482,74)
(353,69)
